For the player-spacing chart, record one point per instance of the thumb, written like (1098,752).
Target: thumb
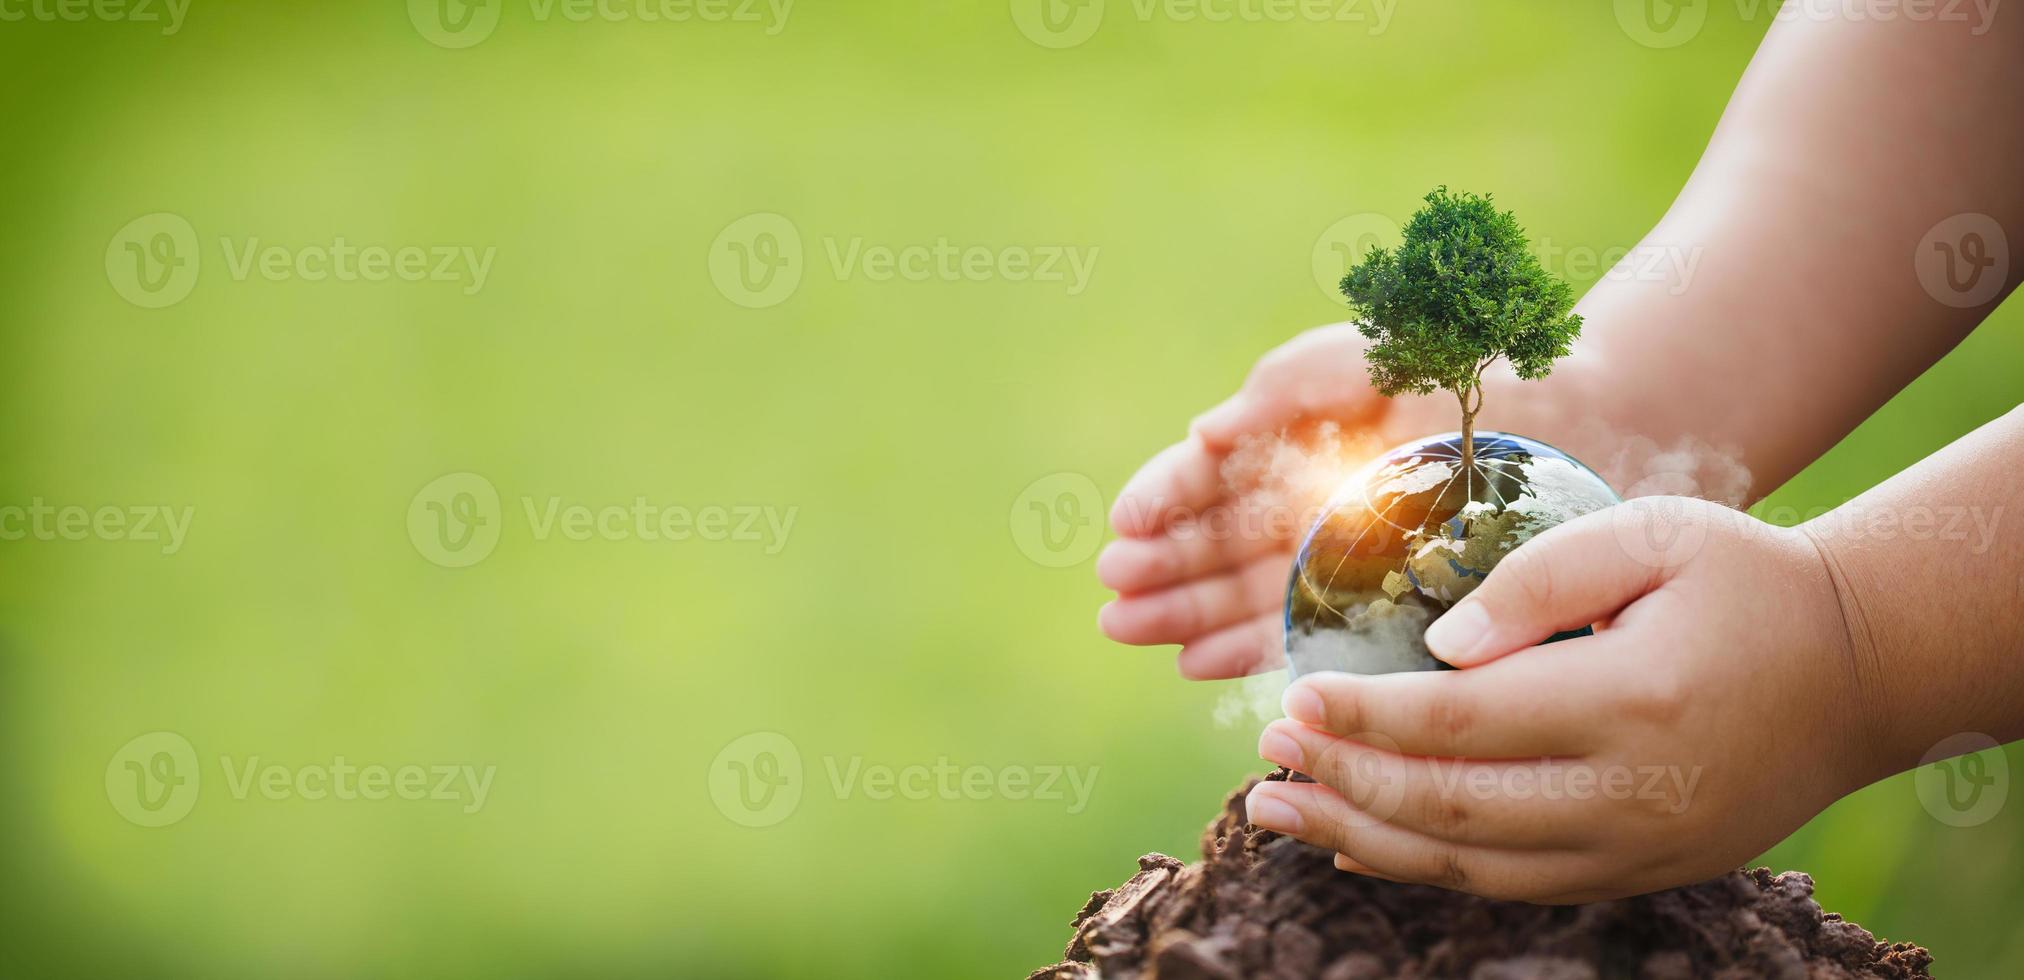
(1264,410)
(1303,378)
(1565,579)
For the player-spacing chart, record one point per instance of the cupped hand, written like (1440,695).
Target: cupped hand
(1718,710)
(1197,564)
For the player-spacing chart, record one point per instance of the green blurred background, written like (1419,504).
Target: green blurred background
(908,617)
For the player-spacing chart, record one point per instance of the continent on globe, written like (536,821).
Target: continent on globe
(1410,534)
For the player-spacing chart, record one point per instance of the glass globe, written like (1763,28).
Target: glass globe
(1410,534)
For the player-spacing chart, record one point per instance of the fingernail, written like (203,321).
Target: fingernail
(1277,746)
(1270,813)
(1303,704)
(1458,632)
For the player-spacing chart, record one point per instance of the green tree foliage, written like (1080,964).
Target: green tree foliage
(1461,291)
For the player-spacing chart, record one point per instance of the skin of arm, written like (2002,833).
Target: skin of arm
(1934,614)
(1745,678)
(1844,144)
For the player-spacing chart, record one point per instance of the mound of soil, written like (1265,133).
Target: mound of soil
(1261,905)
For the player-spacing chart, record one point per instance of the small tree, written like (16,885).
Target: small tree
(1461,291)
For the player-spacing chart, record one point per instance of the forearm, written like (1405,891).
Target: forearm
(1929,566)
(1778,304)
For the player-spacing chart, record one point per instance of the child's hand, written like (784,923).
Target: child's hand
(1717,710)
(1220,596)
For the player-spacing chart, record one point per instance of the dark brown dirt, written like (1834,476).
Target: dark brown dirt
(1260,905)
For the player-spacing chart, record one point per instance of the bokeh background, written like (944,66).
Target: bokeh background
(915,613)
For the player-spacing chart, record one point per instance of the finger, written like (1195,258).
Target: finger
(1515,708)
(1245,413)
(1197,608)
(1184,478)
(1268,412)
(1468,802)
(1569,577)
(1344,862)
(1251,647)
(1320,816)
(1183,554)
(1314,375)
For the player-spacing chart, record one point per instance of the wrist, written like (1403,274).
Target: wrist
(1870,728)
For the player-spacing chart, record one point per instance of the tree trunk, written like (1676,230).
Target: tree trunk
(1468,445)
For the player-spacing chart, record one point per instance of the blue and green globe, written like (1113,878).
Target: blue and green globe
(1410,534)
